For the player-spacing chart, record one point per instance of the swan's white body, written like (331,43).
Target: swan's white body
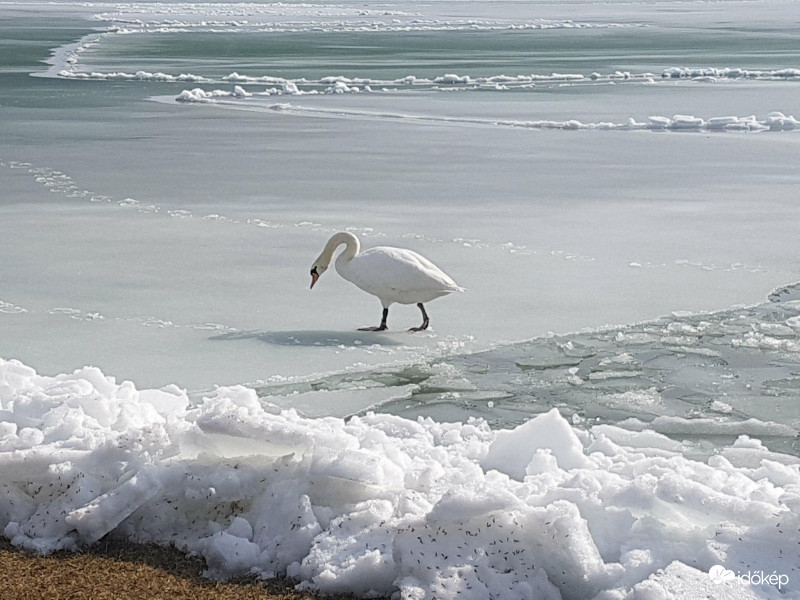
(392,274)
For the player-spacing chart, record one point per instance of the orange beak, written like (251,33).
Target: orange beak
(314,277)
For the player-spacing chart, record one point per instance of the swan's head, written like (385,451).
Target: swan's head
(316,272)
(325,259)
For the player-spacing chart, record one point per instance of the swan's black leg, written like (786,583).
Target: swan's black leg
(382,326)
(425,319)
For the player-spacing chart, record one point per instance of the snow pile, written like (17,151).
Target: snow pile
(236,17)
(138,76)
(235,77)
(728,73)
(343,86)
(66,65)
(201,95)
(11,309)
(287,88)
(775,121)
(380,503)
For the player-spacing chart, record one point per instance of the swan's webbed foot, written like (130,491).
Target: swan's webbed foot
(425,320)
(378,328)
(382,326)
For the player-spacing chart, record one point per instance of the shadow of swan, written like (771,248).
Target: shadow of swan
(311,338)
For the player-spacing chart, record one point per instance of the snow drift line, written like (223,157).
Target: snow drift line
(774,121)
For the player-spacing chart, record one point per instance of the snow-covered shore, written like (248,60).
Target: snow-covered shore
(379,504)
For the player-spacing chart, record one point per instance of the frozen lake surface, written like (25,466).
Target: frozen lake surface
(615,185)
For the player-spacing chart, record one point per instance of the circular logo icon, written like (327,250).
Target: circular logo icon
(720,574)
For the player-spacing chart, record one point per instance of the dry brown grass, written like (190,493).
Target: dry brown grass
(121,571)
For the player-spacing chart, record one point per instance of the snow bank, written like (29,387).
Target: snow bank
(201,95)
(729,73)
(775,121)
(66,65)
(381,504)
(138,76)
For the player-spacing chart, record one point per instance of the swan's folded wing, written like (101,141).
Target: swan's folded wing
(398,275)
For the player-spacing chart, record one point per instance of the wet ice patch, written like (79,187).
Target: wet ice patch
(697,377)
(787,293)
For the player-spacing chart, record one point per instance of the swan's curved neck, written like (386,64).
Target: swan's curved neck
(353,247)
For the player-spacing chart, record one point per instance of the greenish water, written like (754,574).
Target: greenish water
(392,55)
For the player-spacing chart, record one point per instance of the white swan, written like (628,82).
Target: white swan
(392,274)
